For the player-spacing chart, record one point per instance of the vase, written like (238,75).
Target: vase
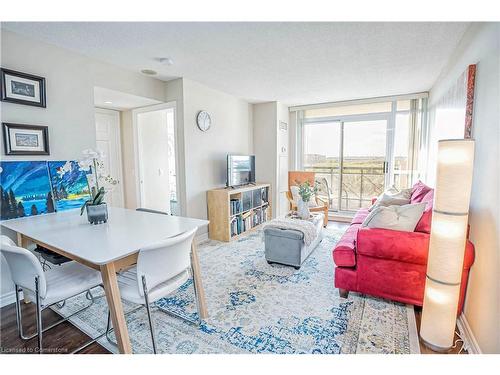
(303,209)
(97,214)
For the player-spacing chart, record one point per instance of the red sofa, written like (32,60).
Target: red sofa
(388,263)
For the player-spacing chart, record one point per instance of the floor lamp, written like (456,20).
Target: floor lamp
(447,242)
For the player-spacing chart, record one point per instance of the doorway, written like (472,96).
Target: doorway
(155,144)
(107,126)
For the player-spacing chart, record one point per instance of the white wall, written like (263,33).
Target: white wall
(480,45)
(70,80)
(268,142)
(128,160)
(205,152)
(265,143)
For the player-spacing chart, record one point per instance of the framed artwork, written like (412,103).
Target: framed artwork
(20,139)
(469,104)
(24,189)
(22,88)
(69,184)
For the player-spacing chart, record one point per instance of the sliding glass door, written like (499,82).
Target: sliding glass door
(364,156)
(349,158)
(322,154)
(357,150)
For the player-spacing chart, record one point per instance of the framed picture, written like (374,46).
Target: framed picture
(19,139)
(22,88)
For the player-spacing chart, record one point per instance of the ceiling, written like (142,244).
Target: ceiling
(111,99)
(296,63)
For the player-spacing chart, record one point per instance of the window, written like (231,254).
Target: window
(360,149)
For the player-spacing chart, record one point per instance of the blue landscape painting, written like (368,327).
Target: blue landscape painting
(24,189)
(69,184)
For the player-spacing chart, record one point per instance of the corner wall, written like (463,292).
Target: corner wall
(70,80)
(205,152)
(480,45)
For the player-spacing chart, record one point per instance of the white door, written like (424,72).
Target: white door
(153,160)
(107,126)
(282,168)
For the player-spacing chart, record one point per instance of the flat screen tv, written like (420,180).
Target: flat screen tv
(240,170)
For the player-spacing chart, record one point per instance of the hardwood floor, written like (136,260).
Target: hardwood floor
(66,338)
(59,340)
(418,310)
(425,350)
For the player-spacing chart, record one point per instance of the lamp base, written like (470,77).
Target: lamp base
(435,348)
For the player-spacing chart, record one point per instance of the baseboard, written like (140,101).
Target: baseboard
(467,335)
(7,299)
(203,237)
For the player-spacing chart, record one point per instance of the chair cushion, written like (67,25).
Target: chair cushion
(67,281)
(418,192)
(129,286)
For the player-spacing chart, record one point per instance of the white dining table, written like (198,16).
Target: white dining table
(109,247)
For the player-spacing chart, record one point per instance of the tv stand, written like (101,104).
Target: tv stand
(233,211)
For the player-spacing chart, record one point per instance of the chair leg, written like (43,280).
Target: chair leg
(344,293)
(38,315)
(148,309)
(19,317)
(195,295)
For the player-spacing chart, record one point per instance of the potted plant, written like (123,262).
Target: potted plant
(99,183)
(306,191)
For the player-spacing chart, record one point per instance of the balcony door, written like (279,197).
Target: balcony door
(349,157)
(364,162)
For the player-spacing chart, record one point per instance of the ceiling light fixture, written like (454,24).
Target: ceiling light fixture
(108,102)
(165,60)
(149,72)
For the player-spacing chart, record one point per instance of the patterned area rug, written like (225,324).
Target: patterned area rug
(255,307)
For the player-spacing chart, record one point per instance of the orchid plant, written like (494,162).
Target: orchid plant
(100,183)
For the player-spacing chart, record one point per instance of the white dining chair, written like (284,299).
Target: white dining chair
(161,269)
(46,288)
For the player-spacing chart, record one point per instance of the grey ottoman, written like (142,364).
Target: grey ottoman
(286,246)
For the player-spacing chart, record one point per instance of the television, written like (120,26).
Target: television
(240,170)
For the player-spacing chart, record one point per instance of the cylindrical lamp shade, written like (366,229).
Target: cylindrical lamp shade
(447,242)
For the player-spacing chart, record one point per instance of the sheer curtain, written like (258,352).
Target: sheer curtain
(446,121)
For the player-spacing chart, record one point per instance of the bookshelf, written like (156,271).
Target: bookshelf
(234,211)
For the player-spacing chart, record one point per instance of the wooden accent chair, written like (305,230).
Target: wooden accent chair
(299,177)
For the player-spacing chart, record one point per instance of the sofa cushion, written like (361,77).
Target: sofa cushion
(418,192)
(408,247)
(391,197)
(402,218)
(344,253)
(424,224)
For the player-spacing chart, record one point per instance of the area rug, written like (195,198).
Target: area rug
(255,307)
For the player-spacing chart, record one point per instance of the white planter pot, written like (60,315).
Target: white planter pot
(303,209)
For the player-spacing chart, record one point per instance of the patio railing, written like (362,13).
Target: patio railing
(359,185)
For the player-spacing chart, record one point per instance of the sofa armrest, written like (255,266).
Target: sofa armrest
(408,247)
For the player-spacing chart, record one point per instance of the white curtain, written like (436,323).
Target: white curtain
(446,121)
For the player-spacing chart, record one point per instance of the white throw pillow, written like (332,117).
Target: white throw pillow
(392,197)
(404,218)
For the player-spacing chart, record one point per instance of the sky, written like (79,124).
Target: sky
(363,138)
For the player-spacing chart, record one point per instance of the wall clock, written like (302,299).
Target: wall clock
(203,121)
